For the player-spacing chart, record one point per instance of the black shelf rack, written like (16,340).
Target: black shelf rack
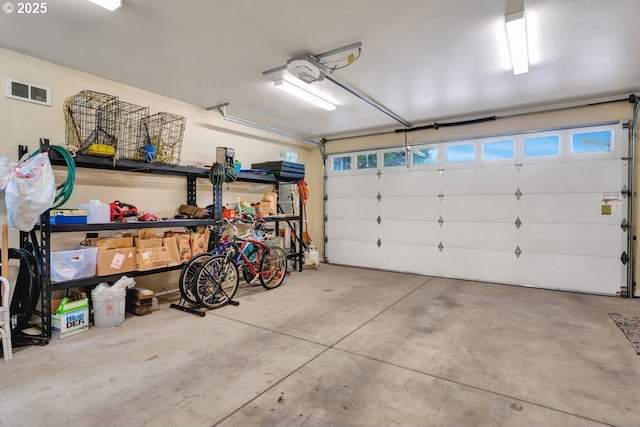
(106,163)
(70,228)
(91,281)
(41,245)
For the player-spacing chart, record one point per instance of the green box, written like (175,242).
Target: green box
(73,319)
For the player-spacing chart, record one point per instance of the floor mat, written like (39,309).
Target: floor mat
(630,327)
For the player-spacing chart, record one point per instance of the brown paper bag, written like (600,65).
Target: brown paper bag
(172,247)
(269,204)
(184,246)
(147,233)
(199,241)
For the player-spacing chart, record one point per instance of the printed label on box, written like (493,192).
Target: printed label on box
(146,257)
(117,261)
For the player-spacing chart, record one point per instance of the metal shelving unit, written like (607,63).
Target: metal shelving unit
(40,243)
(91,281)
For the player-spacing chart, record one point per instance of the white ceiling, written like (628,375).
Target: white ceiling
(424,60)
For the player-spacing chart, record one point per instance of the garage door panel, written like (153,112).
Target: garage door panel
(411,258)
(410,183)
(567,272)
(476,235)
(575,239)
(556,223)
(357,254)
(352,230)
(567,177)
(578,208)
(352,186)
(419,233)
(485,265)
(480,208)
(481,180)
(356,208)
(425,208)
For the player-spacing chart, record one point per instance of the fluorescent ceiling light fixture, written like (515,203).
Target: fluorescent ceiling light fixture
(517,38)
(304,95)
(110,5)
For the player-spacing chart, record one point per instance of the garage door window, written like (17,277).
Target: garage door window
(542,146)
(591,142)
(498,150)
(461,153)
(367,161)
(394,159)
(342,164)
(425,156)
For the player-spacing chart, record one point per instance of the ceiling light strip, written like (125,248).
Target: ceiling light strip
(300,93)
(515,24)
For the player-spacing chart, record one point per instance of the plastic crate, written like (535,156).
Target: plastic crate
(74,264)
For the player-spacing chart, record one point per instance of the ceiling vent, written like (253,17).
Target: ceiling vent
(28,92)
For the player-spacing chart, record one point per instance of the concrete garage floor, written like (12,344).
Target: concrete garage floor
(342,347)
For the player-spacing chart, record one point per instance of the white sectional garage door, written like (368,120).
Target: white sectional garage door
(544,209)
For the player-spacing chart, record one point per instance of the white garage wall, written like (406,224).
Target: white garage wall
(23,123)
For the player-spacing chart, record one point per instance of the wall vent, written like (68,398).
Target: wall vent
(28,92)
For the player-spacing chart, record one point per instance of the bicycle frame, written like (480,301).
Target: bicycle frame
(249,263)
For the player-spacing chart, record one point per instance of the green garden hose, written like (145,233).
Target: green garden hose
(65,189)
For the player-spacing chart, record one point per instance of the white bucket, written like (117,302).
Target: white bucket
(108,310)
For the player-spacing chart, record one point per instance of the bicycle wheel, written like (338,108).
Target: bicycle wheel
(217,282)
(188,276)
(273,268)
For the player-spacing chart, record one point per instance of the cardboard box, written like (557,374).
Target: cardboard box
(115,261)
(152,258)
(67,216)
(73,319)
(148,243)
(110,242)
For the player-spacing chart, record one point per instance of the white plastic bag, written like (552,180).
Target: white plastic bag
(5,169)
(104,290)
(31,190)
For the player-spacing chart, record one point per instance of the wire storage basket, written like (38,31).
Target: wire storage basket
(132,136)
(92,123)
(274,242)
(162,134)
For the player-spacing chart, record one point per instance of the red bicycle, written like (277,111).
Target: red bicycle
(255,257)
